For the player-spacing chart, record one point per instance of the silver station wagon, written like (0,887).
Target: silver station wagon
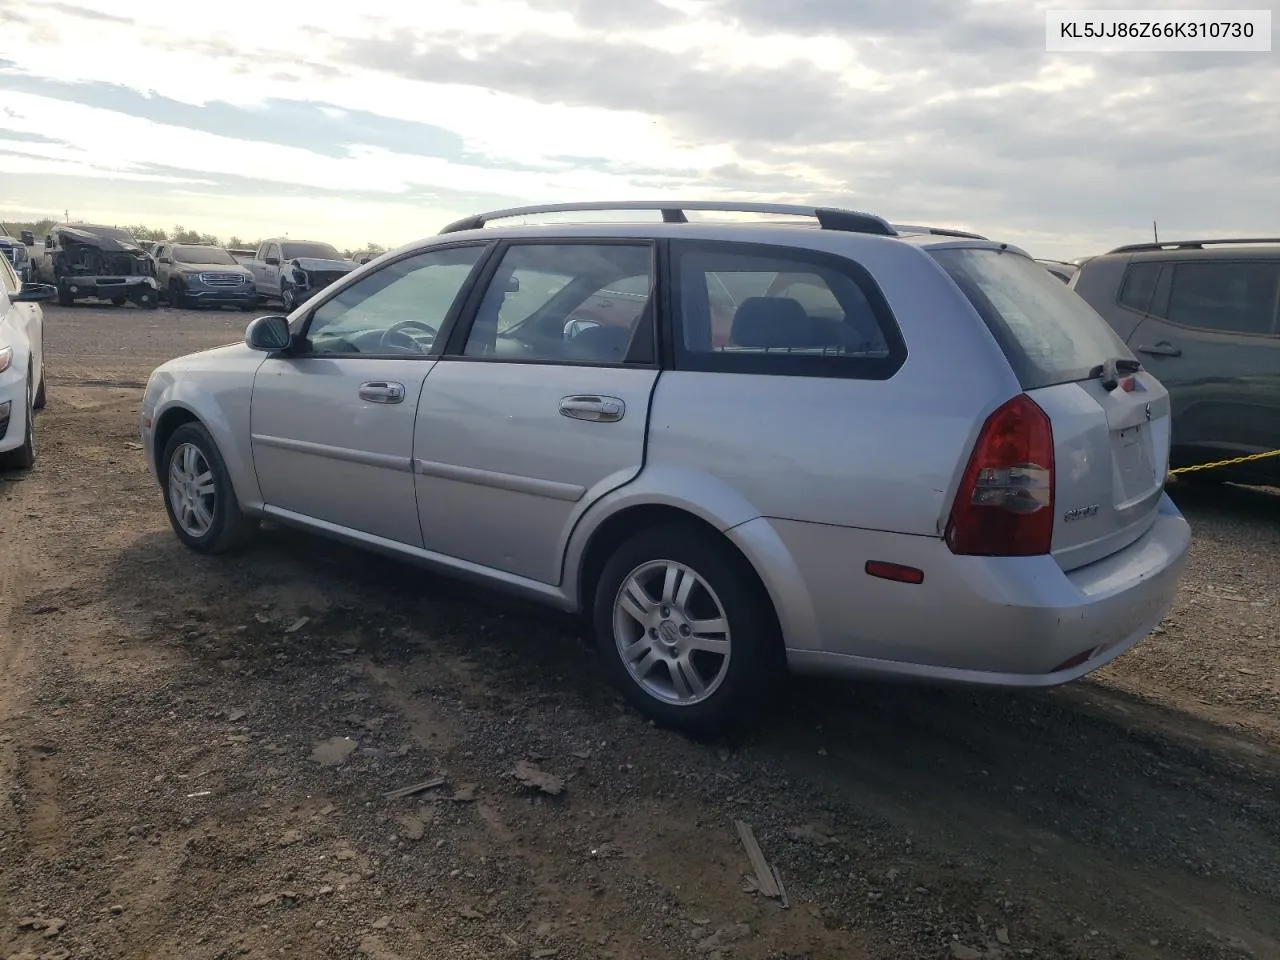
(809,441)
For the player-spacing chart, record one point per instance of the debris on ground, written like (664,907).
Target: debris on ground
(410,790)
(766,881)
(332,752)
(537,779)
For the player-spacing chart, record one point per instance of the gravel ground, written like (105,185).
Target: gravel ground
(195,752)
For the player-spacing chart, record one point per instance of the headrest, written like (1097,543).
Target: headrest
(604,343)
(768,322)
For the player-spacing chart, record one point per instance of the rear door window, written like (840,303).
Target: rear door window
(1230,296)
(1048,333)
(750,308)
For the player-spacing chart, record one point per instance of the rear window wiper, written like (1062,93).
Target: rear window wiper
(1110,371)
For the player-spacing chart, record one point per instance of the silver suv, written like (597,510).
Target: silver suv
(819,443)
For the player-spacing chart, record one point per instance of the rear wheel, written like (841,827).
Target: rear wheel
(684,630)
(198,495)
(23,457)
(119,301)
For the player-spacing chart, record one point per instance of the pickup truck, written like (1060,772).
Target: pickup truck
(293,271)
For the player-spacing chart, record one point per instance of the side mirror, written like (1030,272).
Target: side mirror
(269,334)
(513,284)
(28,238)
(34,293)
(272,261)
(576,325)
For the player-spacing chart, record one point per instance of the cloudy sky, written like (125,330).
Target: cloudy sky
(380,120)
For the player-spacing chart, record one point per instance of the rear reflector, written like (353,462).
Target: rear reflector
(894,571)
(1004,507)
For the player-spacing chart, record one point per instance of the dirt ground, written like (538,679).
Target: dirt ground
(194,754)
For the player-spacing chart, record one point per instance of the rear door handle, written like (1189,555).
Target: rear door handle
(382,391)
(1161,349)
(591,407)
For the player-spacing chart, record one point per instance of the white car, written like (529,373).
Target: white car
(21,366)
(844,448)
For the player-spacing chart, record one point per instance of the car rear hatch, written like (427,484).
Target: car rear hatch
(1110,419)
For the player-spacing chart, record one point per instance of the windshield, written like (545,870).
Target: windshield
(202,255)
(1047,331)
(115,233)
(314,251)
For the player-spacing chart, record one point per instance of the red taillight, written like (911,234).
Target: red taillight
(1004,507)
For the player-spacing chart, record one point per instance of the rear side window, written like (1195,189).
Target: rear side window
(751,308)
(1231,296)
(1046,330)
(1139,285)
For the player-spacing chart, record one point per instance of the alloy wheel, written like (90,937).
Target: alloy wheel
(192,490)
(671,632)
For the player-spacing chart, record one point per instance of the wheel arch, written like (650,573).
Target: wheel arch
(618,527)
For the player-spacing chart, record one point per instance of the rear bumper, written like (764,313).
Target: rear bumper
(1002,621)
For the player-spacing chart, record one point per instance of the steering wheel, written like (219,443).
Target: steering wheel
(397,330)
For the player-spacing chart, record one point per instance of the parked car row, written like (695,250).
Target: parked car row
(91,261)
(733,448)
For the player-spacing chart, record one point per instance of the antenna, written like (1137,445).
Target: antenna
(1154,232)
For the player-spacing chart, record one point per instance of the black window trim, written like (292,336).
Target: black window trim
(299,349)
(678,357)
(1171,270)
(639,358)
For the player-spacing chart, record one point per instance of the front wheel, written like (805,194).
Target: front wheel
(684,629)
(119,301)
(199,499)
(288,298)
(65,299)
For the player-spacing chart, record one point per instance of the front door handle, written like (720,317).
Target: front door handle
(591,407)
(1161,349)
(382,391)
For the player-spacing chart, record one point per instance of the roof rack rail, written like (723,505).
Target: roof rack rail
(829,218)
(938,231)
(1190,244)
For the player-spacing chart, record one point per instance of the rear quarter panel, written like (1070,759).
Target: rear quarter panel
(876,454)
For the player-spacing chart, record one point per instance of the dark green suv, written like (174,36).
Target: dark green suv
(1204,317)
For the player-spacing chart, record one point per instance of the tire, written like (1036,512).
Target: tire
(249,307)
(177,299)
(210,522)
(288,298)
(119,301)
(23,457)
(64,297)
(40,400)
(667,691)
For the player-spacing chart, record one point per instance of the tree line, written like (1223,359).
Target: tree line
(178,234)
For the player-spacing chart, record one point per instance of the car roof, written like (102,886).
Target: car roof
(790,224)
(769,233)
(1251,252)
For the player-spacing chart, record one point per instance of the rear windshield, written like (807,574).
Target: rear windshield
(1046,330)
